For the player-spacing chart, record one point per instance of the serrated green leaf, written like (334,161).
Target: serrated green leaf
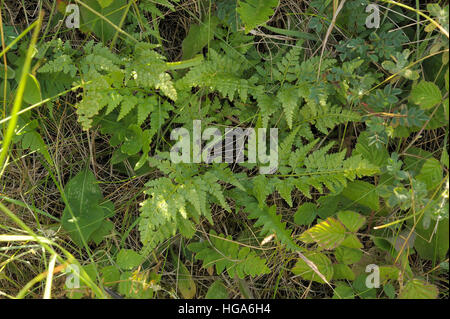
(128,259)
(321,261)
(431,173)
(341,271)
(328,234)
(348,256)
(418,289)
(353,221)
(426,95)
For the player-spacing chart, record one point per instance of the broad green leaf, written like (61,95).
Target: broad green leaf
(104,230)
(389,290)
(343,291)
(388,273)
(352,241)
(418,289)
(432,245)
(362,193)
(327,234)
(33,140)
(186,284)
(10,73)
(255,12)
(426,95)
(348,256)
(360,287)
(198,37)
(341,271)
(353,221)
(84,197)
(431,173)
(91,22)
(105,3)
(305,214)
(110,275)
(217,291)
(322,263)
(32,93)
(128,259)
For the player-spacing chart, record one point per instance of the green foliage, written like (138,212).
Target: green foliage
(255,12)
(172,206)
(362,171)
(322,262)
(217,291)
(418,289)
(426,95)
(227,255)
(84,218)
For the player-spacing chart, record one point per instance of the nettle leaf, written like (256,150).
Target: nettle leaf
(426,95)
(353,221)
(85,213)
(321,261)
(418,289)
(327,234)
(255,12)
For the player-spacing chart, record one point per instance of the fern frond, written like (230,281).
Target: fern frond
(326,117)
(227,255)
(168,203)
(221,73)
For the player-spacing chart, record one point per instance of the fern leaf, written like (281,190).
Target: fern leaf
(226,254)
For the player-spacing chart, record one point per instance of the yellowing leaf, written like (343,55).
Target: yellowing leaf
(327,234)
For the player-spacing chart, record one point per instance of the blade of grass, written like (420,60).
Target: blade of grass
(20,92)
